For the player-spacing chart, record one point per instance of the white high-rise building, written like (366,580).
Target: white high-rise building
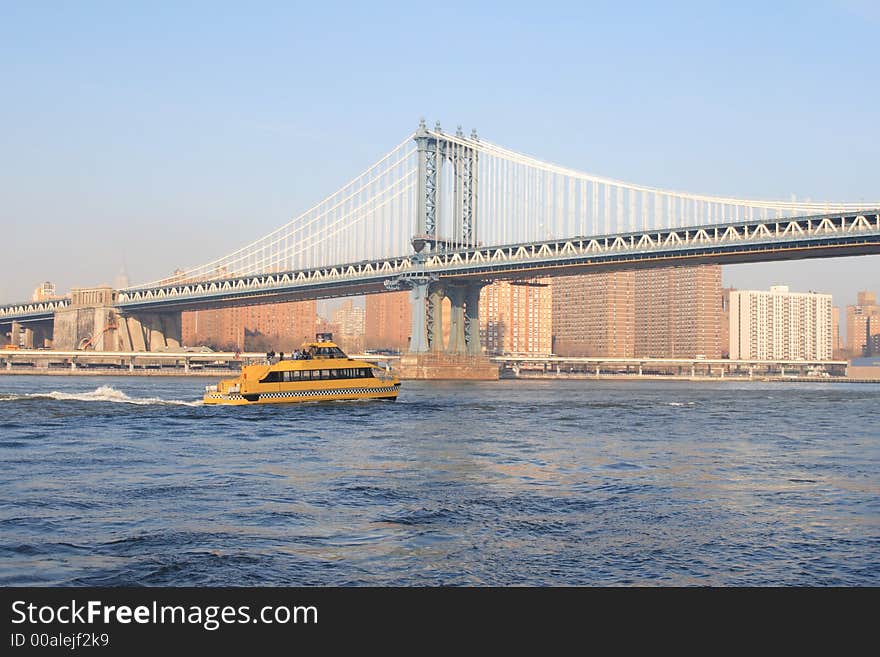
(780,325)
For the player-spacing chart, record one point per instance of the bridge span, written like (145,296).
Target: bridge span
(445,214)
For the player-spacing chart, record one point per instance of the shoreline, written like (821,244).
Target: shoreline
(80,371)
(215,374)
(686,378)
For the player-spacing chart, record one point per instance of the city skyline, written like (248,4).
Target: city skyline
(326,308)
(612,314)
(214,148)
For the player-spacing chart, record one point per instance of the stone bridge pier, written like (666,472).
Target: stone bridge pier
(32,335)
(462,356)
(149,331)
(464,320)
(93,322)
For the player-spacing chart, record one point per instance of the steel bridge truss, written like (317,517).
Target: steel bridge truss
(722,242)
(437,229)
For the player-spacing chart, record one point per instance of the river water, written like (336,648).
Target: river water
(130,481)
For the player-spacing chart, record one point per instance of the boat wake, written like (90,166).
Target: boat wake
(100,394)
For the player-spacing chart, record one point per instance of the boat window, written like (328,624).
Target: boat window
(325,374)
(271,377)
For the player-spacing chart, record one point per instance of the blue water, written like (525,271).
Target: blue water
(122,481)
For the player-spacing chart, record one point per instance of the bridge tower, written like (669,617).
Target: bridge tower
(448,168)
(438,227)
(446,220)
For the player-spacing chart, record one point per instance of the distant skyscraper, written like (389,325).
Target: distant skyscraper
(121,281)
(326,326)
(678,312)
(278,326)
(862,322)
(44,292)
(350,319)
(836,345)
(593,314)
(725,321)
(780,325)
(517,317)
(388,319)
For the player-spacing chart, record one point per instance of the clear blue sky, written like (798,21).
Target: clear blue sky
(166,134)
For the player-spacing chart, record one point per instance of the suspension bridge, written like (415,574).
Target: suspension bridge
(444,214)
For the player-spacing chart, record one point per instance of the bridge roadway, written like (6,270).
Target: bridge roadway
(820,236)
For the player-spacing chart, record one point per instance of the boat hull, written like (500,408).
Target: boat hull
(387,392)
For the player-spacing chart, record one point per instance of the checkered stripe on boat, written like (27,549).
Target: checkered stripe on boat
(324,393)
(311,393)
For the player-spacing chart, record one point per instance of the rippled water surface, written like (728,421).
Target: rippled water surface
(117,481)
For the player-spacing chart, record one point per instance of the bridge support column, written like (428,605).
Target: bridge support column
(457,343)
(150,332)
(418,342)
(436,294)
(472,318)
(43,334)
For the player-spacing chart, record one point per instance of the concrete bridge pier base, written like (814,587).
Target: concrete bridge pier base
(418,342)
(457,344)
(150,332)
(434,317)
(42,335)
(472,318)
(428,360)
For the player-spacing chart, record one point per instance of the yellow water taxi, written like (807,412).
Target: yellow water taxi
(319,371)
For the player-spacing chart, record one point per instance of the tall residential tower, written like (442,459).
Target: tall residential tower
(780,325)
